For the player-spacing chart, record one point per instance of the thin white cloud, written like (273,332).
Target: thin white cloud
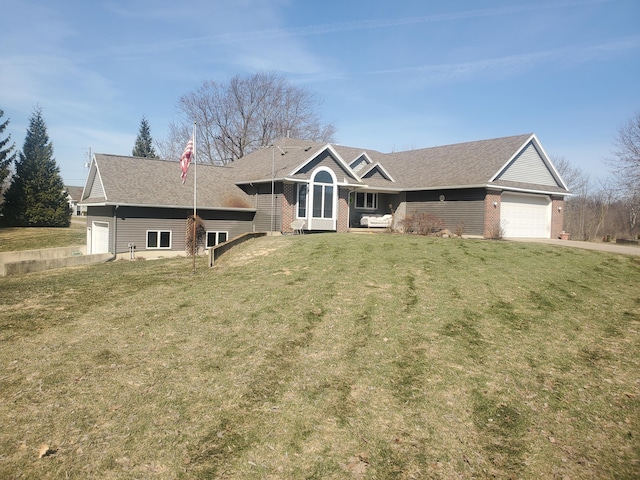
(514,64)
(50,79)
(325,29)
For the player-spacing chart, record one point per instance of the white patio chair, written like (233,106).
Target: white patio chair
(298,227)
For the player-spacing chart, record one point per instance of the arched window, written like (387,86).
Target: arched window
(323,195)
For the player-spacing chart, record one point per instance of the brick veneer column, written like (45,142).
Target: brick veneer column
(288,206)
(491,213)
(343,210)
(557,216)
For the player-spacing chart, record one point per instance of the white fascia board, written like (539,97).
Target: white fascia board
(140,205)
(101,182)
(545,158)
(335,154)
(527,190)
(94,173)
(381,167)
(366,156)
(264,180)
(86,181)
(368,188)
(515,154)
(304,180)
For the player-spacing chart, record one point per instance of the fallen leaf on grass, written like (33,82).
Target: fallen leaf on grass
(358,465)
(45,451)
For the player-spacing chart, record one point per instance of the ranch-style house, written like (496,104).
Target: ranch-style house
(476,187)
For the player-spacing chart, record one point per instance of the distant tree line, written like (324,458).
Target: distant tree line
(606,209)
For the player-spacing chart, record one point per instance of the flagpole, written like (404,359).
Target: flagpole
(195,189)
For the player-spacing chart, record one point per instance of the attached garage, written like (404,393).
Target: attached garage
(525,216)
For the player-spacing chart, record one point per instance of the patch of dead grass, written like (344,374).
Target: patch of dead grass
(326,357)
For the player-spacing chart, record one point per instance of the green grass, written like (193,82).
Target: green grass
(327,356)
(15,238)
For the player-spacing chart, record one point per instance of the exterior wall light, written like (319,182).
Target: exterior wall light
(495,204)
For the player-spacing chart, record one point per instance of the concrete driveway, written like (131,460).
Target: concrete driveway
(600,246)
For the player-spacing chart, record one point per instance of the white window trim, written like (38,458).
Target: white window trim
(306,207)
(217,232)
(375,201)
(310,195)
(158,232)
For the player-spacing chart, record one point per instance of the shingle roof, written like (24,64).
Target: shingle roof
(74,192)
(462,164)
(459,165)
(145,181)
(261,164)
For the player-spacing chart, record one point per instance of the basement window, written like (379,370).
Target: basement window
(157,239)
(215,238)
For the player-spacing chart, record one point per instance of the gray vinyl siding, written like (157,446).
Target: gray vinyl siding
(359,163)
(264,212)
(460,208)
(134,222)
(96,190)
(101,214)
(375,174)
(134,230)
(529,167)
(261,200)
(325,160)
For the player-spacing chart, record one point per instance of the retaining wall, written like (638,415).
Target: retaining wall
(26,261)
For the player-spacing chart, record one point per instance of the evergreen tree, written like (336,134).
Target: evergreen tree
(7,155)
(144,142)
(36,196)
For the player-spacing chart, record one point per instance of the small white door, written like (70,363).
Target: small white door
(525,216)
(100,237)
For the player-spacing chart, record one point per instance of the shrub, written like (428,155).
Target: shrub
(422,223)
(496,232)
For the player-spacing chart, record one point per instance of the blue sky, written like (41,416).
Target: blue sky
(392,75)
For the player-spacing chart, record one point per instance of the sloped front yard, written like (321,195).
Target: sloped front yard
(326,356)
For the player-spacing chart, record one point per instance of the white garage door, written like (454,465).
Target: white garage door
(100,237)
(525,216)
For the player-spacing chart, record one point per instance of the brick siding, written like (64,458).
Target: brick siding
(342,225)
(288,206)
(557,216)
(491,213)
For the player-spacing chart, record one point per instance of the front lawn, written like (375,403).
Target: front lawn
(326,356)
(19,238)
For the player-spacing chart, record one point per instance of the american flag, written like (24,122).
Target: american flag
(185,160)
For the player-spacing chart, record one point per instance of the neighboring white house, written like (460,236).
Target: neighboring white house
(74,194)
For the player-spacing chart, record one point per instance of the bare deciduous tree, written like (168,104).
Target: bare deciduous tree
(626,163)
(572,175)
(245,114)
(625,166)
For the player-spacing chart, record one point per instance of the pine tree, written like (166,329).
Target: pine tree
(36,196)
(144,142)
(7,155)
